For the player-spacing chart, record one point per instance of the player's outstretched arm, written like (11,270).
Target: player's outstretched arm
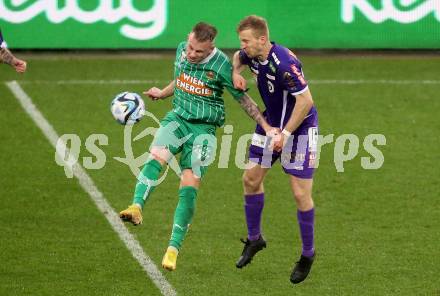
(8,58)
(237,67)
(19,65)
(156,93)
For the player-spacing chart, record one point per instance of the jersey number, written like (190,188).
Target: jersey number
(270,86)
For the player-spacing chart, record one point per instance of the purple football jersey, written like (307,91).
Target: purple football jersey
(279,79)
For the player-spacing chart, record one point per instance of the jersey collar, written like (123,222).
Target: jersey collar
(208,58)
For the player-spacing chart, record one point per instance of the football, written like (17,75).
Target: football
(127,108)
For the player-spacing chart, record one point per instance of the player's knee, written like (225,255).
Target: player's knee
(300,195)
(189,179)
(303,199)
(251,182)
(160,154)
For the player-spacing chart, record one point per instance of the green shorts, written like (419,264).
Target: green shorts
(195,141)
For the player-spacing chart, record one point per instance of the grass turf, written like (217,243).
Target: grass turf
(376,230)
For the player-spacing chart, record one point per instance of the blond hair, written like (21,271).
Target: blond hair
(257,24)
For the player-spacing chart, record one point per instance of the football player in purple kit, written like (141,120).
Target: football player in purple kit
(290,107)
(8,58)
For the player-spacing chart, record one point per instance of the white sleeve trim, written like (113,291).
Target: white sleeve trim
(301,91)
(3,45)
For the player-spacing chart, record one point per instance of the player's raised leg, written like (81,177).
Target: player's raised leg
(145,185)
(302,190)
(183,215)
(253,207)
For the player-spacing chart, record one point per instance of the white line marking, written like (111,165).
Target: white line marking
(152,81)
(98,198)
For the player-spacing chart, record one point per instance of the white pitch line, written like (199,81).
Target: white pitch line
(152,81)
(98,198)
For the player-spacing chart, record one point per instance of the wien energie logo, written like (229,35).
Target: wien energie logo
(192,85)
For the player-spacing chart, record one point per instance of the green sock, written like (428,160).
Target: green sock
(150,172)
(183,215)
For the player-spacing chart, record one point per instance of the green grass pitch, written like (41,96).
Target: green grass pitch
(377,231)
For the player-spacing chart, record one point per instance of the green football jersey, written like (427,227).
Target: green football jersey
(199,87)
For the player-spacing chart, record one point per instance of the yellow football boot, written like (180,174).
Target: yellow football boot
(170,258)
(132,214)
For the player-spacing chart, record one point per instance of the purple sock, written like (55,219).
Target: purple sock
(306,222)
(253,208)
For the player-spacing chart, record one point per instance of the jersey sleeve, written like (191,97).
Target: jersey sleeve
(226,80)
(293,77)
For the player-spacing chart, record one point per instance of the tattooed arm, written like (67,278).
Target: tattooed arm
(254,112)
(8,58)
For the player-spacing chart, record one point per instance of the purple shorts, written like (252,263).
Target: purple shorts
(299,154)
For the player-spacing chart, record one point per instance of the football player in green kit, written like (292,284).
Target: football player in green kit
(201,72)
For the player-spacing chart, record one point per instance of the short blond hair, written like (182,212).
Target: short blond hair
(256,23)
